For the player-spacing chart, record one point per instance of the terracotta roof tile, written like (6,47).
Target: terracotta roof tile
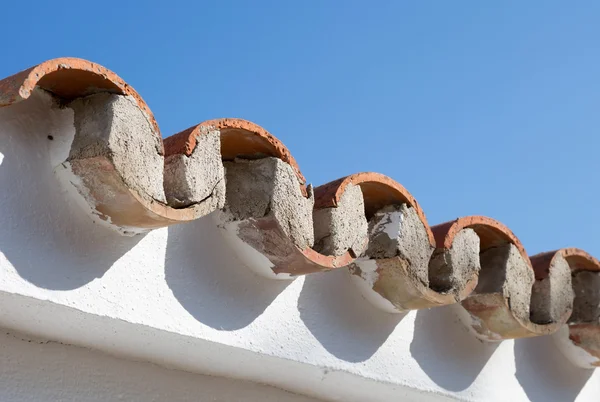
(397,259)
(239,138)
(68,78)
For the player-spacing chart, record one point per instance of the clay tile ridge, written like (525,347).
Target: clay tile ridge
(71,78)
(68,78)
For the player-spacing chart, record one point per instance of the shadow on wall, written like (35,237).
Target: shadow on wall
(330,305)
(545,374)
(210,282)
(49,240)
(446,351)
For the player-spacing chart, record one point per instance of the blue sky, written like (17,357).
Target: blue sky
(476,108)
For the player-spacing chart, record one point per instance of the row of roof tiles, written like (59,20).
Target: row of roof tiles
(283,227)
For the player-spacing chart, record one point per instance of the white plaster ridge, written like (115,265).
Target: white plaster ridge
(83,375)
(48,320)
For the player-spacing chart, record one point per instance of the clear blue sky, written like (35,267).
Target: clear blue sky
(476,108)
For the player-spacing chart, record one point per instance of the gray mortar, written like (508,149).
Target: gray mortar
(397,231)
(503,270)
(586,308)
(113,126)
(344,227)
(192,179)
(269,186)
(552,296)
(450,270)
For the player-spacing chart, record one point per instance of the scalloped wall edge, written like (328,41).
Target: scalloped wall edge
(72,78)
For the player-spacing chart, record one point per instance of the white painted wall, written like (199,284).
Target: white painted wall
(178,297)
(40,371)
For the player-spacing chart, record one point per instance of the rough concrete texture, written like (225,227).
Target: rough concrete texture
(344,227)
(269,186)
(450,270)
(586,307)
(192,179)
(113,126)
(552,296)
(397,231)
(503,270)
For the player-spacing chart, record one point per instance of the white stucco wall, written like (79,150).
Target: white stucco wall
(178,297)
(40,371)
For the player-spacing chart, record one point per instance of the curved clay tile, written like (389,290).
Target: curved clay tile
(276,238)
(239,139)
(579,340)
(110,182)
(490,232)
(68,78)
(507,302)
(392,272)
(284,255)
(378,191)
